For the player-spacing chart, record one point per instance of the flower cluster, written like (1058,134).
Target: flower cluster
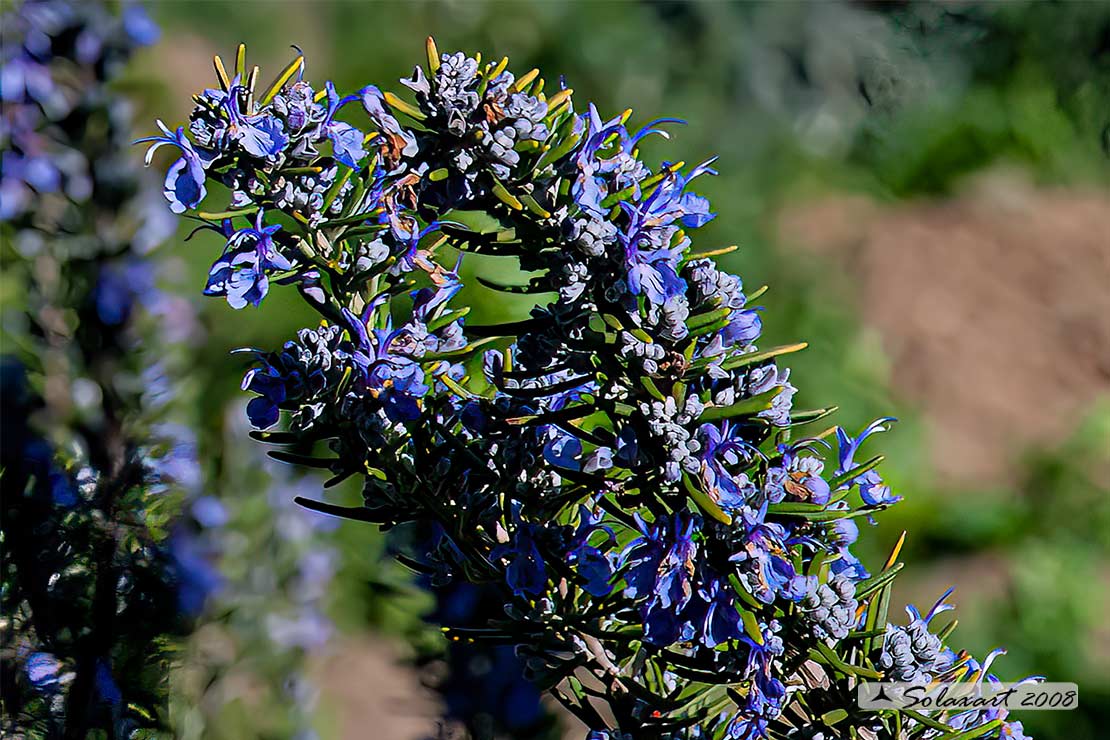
(94,472)
(624,464)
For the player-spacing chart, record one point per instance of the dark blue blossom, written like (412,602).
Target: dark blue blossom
(525,573)
(589,560)
(659,567)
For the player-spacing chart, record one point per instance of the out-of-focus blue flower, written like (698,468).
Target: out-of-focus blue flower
(139,26)
(195,568)
(106,687)
(43,671)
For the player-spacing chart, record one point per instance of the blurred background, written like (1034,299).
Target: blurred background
(925,187)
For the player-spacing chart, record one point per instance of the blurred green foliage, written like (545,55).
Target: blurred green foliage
(894,101)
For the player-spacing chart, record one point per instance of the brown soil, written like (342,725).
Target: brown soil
(994,308)
(375,695)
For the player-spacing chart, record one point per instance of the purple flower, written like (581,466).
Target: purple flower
(240,273)
(184,186)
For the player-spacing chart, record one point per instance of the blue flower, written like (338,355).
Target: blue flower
(659,565)
(106,687)
(723,447)
(526,573)
(401,141)
(843,534)
(744,327)
(260,135)
(43,670)
(184,186)
(800,478)
(766,569)
(346,140)
(395,380)
(722,618)
(871,487)
(240,273)
(593,567)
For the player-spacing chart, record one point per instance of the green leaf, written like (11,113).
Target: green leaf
(459,353)
(558,152)
(708,317)
(708,505)
(354,513)
(810,512)
(221,215)
(534,206)
(506,197)
(650,387)
(433,55)
(926,720)
(281,81)
(755,357)
(980,731)
(849,669)
(848,475)
(798,418)
(447,318)
(354,219)
(324,463)
(333,191)
(746,407)
(402,107)
(874,583)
